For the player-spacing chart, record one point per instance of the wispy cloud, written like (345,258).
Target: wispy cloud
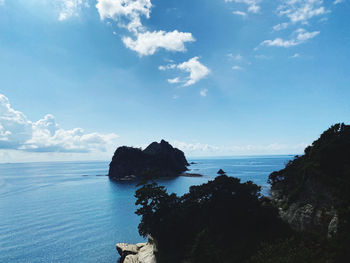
(235,57)
(203,92)
(196,70)
(236,67)
(174,80)
(240,13)
(296,55)
(299,36)
(262,56)
(252,5)
(301,10)
(280,26)
(203,149)
(69,8)
(44,135)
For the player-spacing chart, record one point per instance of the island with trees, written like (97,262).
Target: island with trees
(157,160)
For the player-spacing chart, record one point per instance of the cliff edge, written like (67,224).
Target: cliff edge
(312,191)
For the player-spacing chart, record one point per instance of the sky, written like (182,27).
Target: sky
(78,78)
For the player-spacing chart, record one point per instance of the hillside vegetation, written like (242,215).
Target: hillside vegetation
(225,220)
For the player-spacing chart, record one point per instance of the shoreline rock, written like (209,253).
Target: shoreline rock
(138,253)
(191,175)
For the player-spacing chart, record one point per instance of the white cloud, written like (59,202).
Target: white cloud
(300,36)
(128,13)
(303,35)
(121,10)
(301,10)
(235,57)
(148,43)
(170,66)
(236,67)
(194,147)
(240,13)
(262,56)
(280,26)
(69,8)
(203,92)
(338,2)
(279,42)
(15,129)
(253,5)
(201,149)
(174,80)
(195,68)
(296,55)
(44,135)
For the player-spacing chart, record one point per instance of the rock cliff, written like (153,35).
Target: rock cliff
(312,191)
(139,253)
(157,160)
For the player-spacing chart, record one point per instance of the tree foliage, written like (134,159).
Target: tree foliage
(220,221)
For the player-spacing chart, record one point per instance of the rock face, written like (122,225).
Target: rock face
(139,253)
(157,160)
(312,191)
(308,215)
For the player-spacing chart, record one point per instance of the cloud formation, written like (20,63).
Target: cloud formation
(240,13)
(252,5)
(299,36)
(236,67)
(44,135)
(196,69)
(69,8)
(280,26)
(202,149)
(301,10)
(128,13)
(148,43)
(203,92)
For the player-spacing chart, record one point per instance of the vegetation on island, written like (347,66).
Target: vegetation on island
(225,220)
(157,160)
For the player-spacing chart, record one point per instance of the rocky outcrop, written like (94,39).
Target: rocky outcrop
(157,160)
(139,253)
(221,172)
(312,191)
(313,211)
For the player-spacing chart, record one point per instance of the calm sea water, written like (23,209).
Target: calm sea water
(68,212)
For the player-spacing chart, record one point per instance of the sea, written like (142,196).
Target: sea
(72,212)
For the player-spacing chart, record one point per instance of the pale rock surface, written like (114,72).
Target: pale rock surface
(139,253)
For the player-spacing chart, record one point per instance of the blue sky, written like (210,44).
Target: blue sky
(215,78)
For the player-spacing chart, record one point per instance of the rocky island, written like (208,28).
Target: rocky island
(157,160)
